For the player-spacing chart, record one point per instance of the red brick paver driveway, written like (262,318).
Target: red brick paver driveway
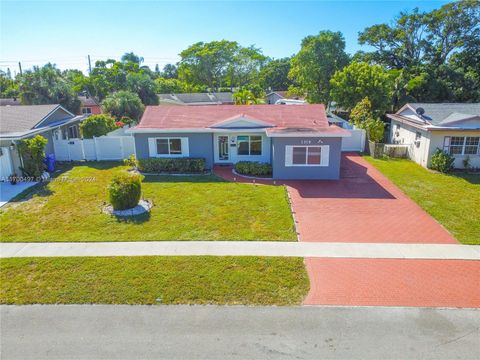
(363,206)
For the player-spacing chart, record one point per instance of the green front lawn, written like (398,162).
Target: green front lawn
(186,208)
(453,200)
(153,280)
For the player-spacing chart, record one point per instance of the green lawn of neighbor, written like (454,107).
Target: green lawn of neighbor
(185,208)
(453,200)
(153,280)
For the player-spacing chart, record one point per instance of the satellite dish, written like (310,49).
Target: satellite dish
(420,111)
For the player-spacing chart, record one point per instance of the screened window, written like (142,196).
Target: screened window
(169,146)
(249,145)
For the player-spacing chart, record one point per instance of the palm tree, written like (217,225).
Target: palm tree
(244,97)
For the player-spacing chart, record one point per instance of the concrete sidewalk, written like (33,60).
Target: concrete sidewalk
(244,248)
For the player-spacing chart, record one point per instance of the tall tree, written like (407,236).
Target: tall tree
(274,75)
(46,85)
(144,87)
(219,63)
(170,71)
(123,103)
(132,57)
(318,59)
(359,80)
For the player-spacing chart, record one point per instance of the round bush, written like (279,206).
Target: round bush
(124,191)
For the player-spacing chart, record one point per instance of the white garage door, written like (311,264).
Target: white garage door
(5,164)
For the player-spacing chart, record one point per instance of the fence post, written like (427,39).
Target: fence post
(97,156)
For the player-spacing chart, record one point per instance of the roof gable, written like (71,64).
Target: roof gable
(241,121)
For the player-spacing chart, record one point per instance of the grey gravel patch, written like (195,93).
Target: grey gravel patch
(143,207)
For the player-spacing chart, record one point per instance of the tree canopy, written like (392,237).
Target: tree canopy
(318,59)
(123,103)
(359,80)
(46,85)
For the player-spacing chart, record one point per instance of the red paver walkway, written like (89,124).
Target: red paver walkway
(393,282)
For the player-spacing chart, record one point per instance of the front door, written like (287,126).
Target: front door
(223,148)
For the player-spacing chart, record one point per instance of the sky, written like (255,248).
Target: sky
(65,32)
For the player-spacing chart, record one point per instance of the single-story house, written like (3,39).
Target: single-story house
(297,141)
(215,98)
(277,97)
(89,106)
(25,121)
(452,127)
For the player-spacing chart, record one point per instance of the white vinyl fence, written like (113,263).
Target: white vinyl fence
(356,142)
(98,148)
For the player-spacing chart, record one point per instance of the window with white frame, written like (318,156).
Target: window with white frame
(306,155)
(73,132)
(169,146)
(249,145)
(462,145)
(86,110)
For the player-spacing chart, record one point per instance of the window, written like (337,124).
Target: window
(306,155)
(418,136)
(460,145)
(73,132)
(471,145)
(249,145)
(86,110)
(169,146)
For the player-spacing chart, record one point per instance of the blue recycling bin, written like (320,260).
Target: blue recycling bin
(50,161)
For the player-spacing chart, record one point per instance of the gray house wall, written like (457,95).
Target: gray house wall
(330,172)
(200,145)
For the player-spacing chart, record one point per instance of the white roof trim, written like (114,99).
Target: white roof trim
(241,117)
(309,134)
(50,113)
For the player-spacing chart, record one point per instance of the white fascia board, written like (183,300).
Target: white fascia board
(193,130)
(310,134)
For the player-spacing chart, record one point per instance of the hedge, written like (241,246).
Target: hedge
(171,165)
(253,168)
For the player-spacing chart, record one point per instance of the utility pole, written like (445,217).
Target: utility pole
(89,65)
(20,67)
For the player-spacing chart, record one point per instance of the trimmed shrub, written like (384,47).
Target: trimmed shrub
(253,168)
(33,154)
(124,191)
(172,165)
(442,161)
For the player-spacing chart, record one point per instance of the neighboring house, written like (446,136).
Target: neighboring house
(216,98)
(25,121)
(423,127)
(89,106)
(10,101)
(297,141)
(281,97)
(334,119)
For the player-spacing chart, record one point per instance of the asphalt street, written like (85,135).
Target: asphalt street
(237,332)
